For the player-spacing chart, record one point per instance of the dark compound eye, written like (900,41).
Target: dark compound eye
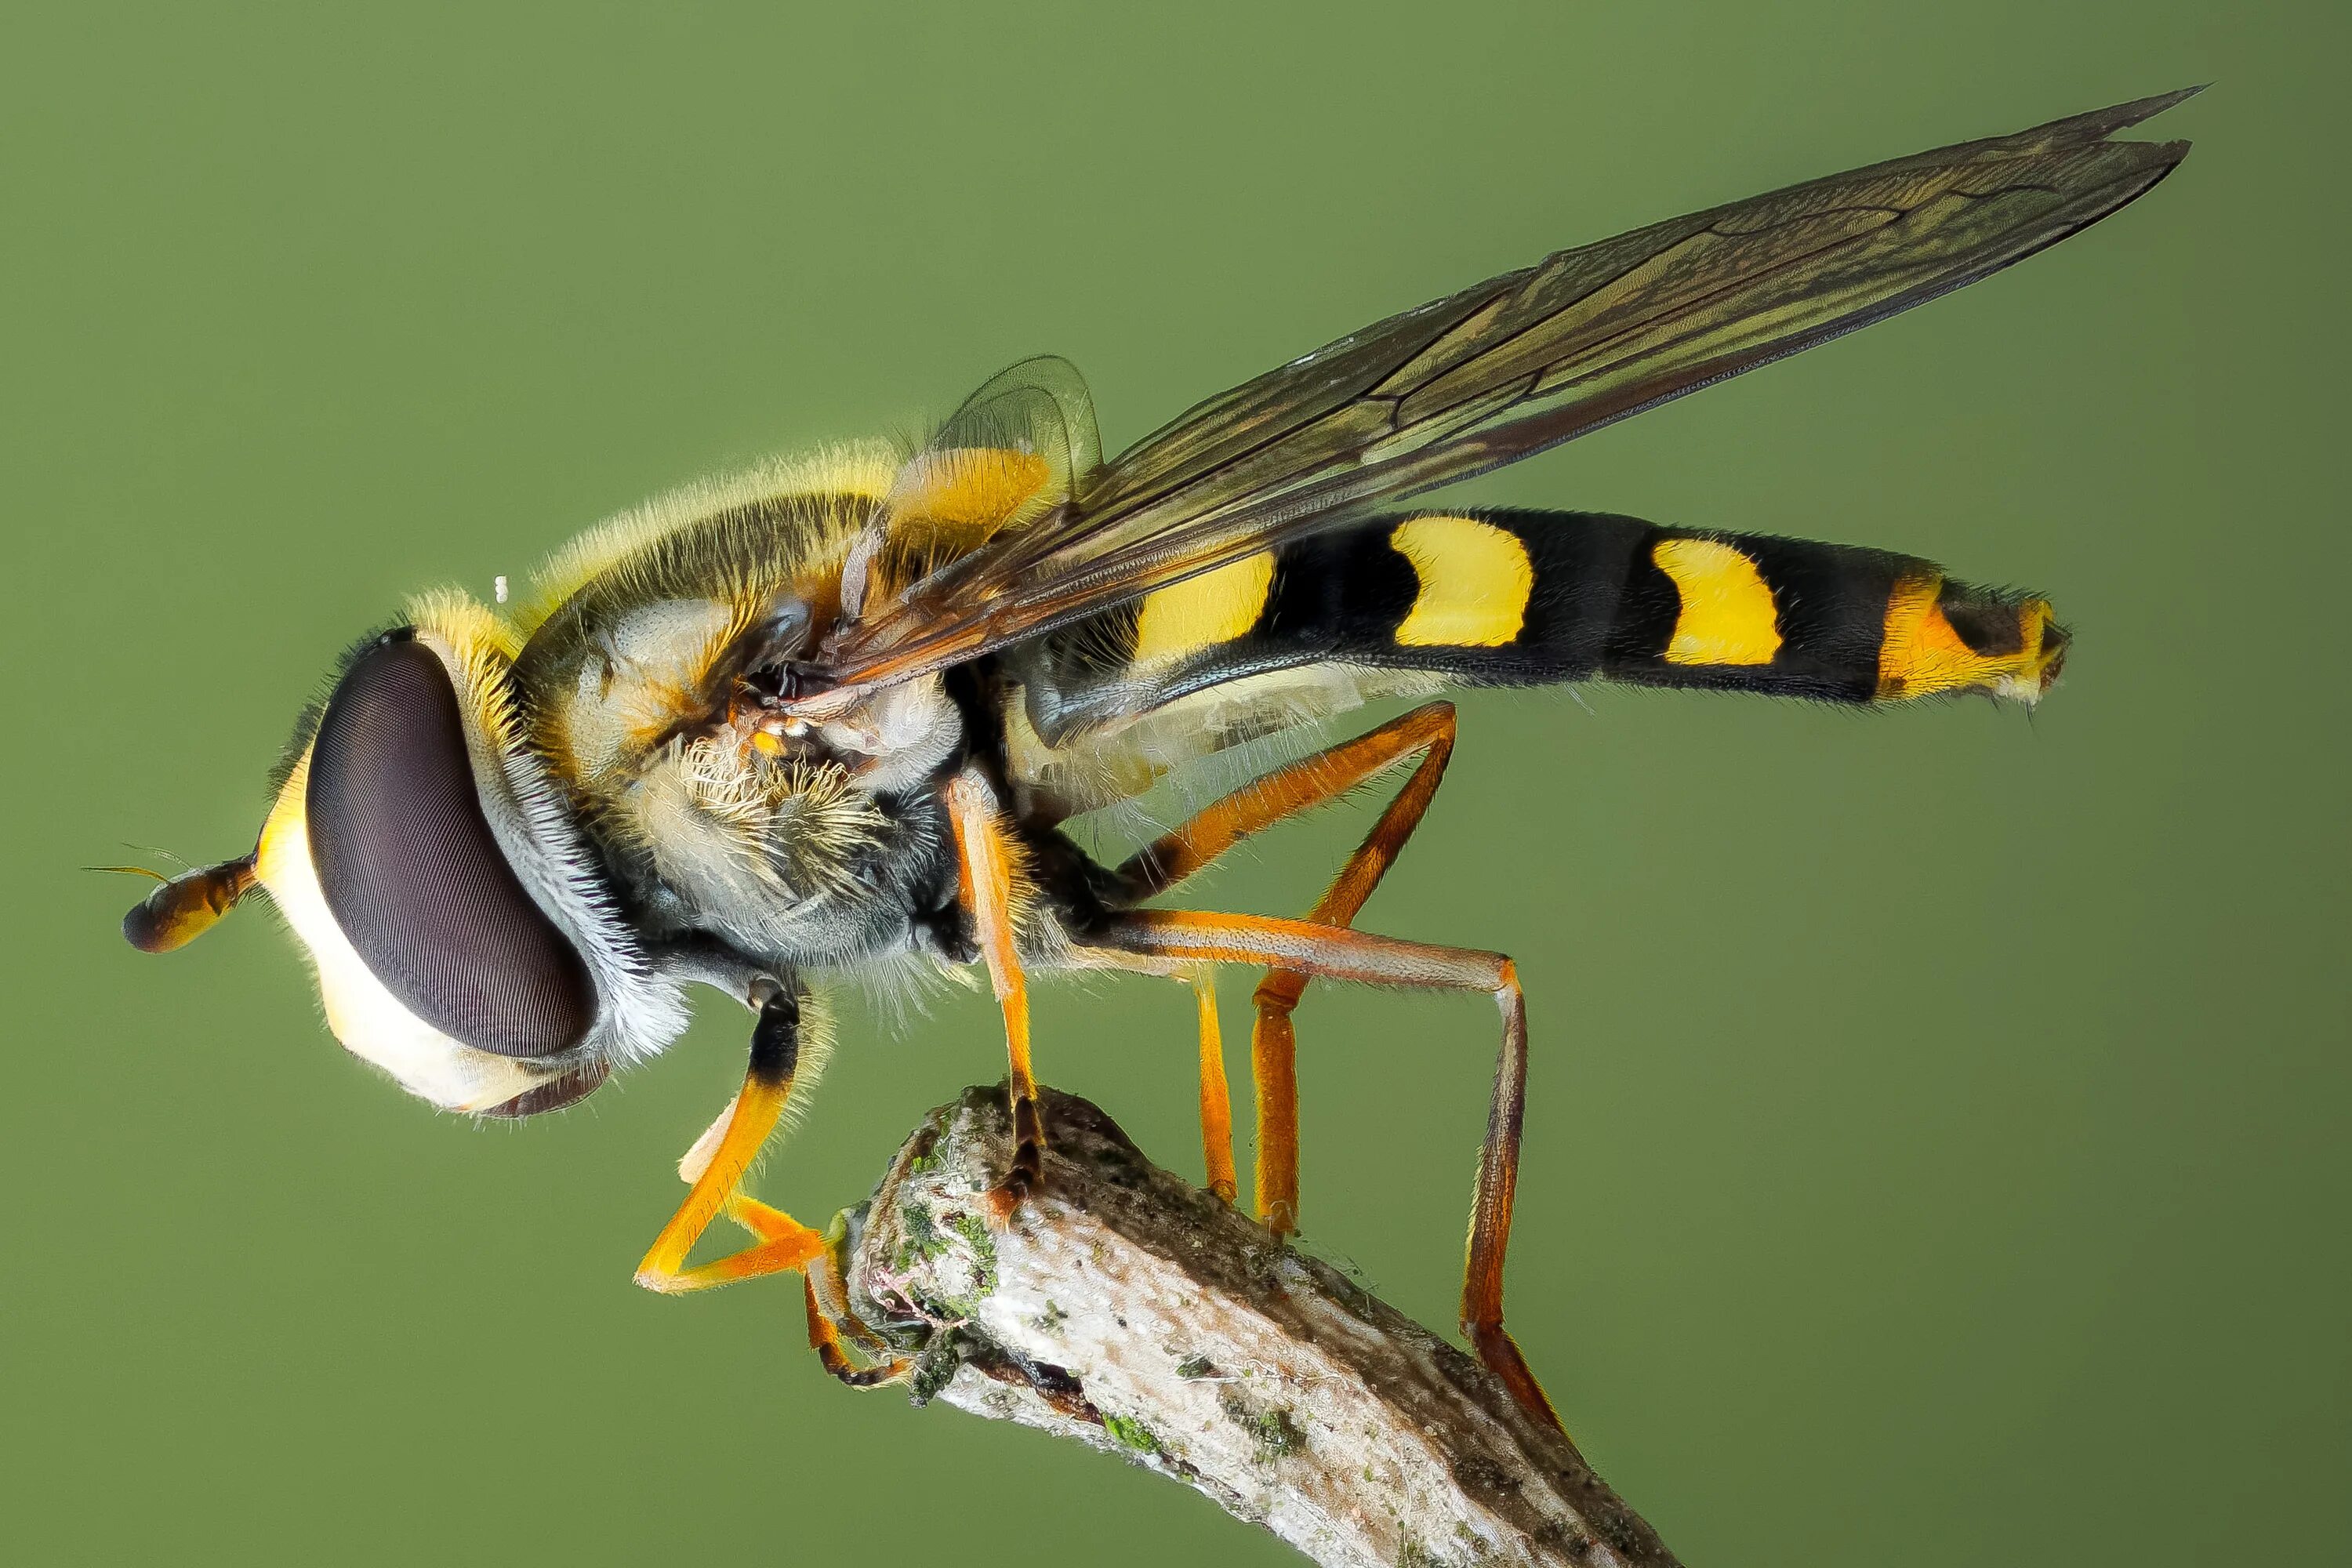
(414,876)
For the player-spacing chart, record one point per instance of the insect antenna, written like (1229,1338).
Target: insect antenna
(185,863)
(130,871)
(185,907)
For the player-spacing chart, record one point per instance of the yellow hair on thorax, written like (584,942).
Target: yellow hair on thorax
(945,504)
(484,645)
(866,469)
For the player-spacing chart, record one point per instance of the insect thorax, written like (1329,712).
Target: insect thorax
(794,843)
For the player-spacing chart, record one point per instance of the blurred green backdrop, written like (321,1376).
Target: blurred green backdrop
(1936,1143)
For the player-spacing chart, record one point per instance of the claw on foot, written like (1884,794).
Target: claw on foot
(1008,1195)
(1501,1355)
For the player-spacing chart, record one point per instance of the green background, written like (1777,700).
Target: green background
(1936,1150)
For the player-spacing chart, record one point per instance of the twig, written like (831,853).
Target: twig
(1132,1311)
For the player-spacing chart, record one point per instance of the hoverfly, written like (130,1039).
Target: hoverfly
(835,714)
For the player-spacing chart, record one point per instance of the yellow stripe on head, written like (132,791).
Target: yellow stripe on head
(1475,582)
(1727,616)
(1203,611)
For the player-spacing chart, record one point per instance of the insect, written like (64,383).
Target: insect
(836,714)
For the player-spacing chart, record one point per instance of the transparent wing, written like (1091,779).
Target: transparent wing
(1040,405)
(1518,363)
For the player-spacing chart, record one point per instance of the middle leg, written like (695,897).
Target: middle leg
(1305,784)
(1217,1099)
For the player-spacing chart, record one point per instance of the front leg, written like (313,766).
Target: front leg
(985,857)
(785,1244)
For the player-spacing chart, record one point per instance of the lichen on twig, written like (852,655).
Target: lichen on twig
(1127,1309)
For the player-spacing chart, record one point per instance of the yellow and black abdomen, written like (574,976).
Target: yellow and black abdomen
(1522,597)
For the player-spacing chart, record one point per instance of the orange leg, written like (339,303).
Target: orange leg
(824,1338)
(827,1299)
(716,1165)
(1310,949)
(986,858)
(1216,1098)
(1307,782)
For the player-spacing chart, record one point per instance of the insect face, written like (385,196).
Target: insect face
(464,940)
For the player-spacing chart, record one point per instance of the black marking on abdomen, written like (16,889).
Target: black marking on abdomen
(1336,591)
(1599,604)
(1832,600)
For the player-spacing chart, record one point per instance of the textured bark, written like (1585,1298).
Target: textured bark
(1134,1312)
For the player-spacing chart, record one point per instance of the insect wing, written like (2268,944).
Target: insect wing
(1041,405)
(1518,363)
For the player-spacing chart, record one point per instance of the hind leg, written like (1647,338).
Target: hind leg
(1307,949)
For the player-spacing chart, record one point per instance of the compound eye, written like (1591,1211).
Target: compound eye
(414,876)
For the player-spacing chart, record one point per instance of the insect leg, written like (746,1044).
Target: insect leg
(1216,1098)
(717,1162)
(986,885)
(1309,949)
(828,1314)
(827,1298)
(1310,782)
